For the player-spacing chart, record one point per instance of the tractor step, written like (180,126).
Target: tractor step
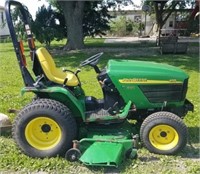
(102,115)
(99,115)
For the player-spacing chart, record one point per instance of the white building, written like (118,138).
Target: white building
(151,27)
(4,31)
(139,17)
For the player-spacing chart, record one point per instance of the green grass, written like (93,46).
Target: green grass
(89,42)
(99,43)
(11,82)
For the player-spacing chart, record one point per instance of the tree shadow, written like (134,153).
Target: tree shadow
(111,169)
(186,62)
(194,135)
(6,132)
(122,168)
(71,60)
(7,50)
(191,150)
(189,62)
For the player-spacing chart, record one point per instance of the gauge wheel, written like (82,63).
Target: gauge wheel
(44,128)
(163,133)
(73,154)
(131,153)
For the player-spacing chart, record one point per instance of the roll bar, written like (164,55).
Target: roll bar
(18,46)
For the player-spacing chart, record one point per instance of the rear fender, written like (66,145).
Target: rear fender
(77,107)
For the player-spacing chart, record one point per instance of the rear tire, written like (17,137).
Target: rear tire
(44,128)
(163,133)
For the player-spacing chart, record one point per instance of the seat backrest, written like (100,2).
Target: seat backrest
(53,73)
(46,62)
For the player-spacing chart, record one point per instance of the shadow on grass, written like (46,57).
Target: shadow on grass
(190,152)
(121,45)
(122,168)
(7,51)
(6,132)
(189,62)
(194,134)
(110,169)
(70,60)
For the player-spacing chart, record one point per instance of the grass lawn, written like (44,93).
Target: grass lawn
(12,160)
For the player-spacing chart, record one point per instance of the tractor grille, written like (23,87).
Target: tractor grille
(162,93)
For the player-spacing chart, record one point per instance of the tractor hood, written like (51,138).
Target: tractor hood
(148,84)
(140,72)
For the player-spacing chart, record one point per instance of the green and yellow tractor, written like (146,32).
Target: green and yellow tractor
(61,120)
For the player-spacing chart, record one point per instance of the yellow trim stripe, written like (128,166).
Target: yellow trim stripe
(145,81)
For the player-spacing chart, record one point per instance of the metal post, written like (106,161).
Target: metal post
(140,28)
(145,23)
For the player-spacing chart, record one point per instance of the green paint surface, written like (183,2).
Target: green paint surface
(103,154)
(127,75)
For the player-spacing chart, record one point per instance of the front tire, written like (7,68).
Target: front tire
(163,133)
(45,128)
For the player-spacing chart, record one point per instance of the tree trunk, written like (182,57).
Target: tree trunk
(159,17)
(73,13)
(163,14)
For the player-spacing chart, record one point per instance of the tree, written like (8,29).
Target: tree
(17,21)
(96,19)
(47,26)
(164,8)
(123,27)
(73,14)
(85,18)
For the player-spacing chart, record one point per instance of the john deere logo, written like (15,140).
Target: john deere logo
(132,80)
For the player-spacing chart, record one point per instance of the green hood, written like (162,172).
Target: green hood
(141,71)
(148,84)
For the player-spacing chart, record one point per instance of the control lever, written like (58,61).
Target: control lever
(37,84)
(65,81)
(114,109)
(77,71)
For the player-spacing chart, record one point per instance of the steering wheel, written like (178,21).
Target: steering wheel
(92,61)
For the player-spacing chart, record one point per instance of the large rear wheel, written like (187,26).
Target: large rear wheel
(44,128)
(163,133)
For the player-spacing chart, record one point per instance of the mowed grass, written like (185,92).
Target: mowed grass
(11,159)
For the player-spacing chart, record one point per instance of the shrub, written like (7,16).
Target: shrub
(123,27)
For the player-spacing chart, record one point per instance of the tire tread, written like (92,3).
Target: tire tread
(171,118)
(53,106)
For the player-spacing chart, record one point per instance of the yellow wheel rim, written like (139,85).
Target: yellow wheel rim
(163,137)
(43,133)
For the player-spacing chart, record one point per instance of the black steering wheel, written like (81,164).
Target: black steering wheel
(92,61)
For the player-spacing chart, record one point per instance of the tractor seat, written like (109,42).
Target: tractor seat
(53,73)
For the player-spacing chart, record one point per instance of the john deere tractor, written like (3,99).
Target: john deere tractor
(61,120)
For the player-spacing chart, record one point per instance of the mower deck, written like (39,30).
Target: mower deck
(106,147)
(103,154)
